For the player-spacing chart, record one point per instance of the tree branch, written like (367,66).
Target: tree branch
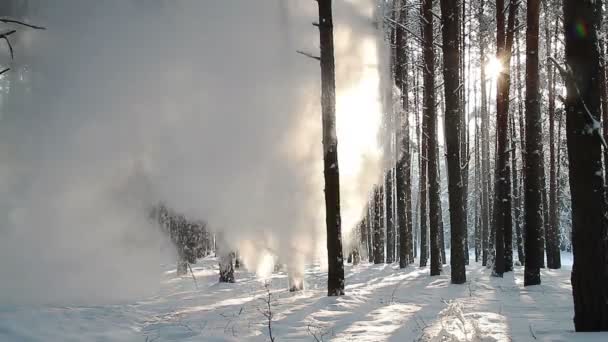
(13,21)
(309,55)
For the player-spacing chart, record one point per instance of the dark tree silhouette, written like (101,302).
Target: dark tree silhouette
(430,115)
(589,227)
(335,278)
(450,17)
(532,178)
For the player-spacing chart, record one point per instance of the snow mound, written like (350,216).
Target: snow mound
(454,325)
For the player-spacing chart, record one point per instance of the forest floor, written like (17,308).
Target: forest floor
(383,303)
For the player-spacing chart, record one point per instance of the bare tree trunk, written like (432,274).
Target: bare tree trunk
(335,278)
(364,235)
(464,134)
(418,143)
(444,260)
(450,17)
(589,228)
(604,93)
(424,247)
(516,195)
(430,116)
(485,147)
(378,226)
(552,234)
(403,176)
(502,215)
(532,178)
(390,227)
(520,191)
(370,228)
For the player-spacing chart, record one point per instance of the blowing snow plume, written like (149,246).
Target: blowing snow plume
(203,105)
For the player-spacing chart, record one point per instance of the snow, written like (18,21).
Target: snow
(383,303)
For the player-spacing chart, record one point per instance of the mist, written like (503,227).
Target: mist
(203,105)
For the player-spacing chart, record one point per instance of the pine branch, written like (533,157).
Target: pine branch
(18,22)
(309,55)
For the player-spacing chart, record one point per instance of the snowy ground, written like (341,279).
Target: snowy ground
(382,303)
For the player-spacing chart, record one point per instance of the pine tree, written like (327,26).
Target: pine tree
(552,233)
(502,213)
(450,17)
(430,115)
(403,172)
(582,19)
(335,278)
(485,144)
(377,226)
(532,178)
(390,225)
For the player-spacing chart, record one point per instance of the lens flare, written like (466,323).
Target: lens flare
(493,67)
(581,29)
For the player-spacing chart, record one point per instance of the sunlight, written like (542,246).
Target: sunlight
(493,68)
(358,111)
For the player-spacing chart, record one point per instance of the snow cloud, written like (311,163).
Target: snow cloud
(204,105)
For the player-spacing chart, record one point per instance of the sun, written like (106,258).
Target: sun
(493,68)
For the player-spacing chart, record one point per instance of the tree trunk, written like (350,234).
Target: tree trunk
(552,234)
(370,226)
(589,228)
(430,116)
(604,93)
(364,235)
(516,195)
(416,232)
(450,17)
(403,176)
(502,214)
(390,227)
(441,225)
(532,178)
(520,192)
(335,277)
(464,135)
(477,183)
(424,229)
(485,147)
(378,226)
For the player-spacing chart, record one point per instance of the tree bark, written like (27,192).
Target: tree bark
(378,231)
(430,115)
(532,178)
(424,229)
(485,147)
(552,234)
(520,186)
(450,17)
(441,225)
(335,277)
(502,216)
(589,228)
(403,176)
(390,226)
(516,195)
